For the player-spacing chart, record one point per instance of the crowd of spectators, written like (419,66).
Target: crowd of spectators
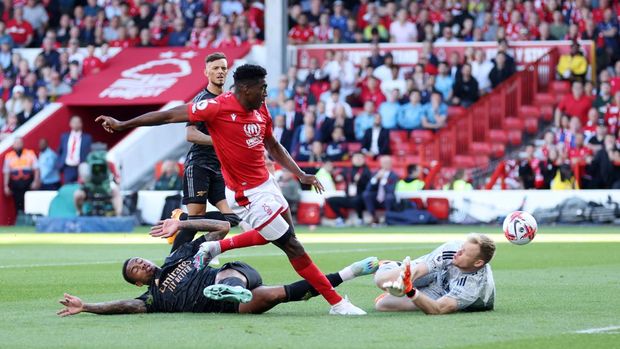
(75,37)
(582,148)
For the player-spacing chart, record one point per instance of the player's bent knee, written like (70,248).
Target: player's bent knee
(230,273)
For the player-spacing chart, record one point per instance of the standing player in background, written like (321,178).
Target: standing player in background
(241,128)
(202,177)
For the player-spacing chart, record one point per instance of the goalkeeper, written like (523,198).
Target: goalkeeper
(454,277)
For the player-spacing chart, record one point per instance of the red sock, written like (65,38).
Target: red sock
(305,267)
(245,239)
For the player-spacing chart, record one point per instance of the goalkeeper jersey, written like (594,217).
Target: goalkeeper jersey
(472,291)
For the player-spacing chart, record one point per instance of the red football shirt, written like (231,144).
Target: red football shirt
(238,137)
(19,31)
(576,107)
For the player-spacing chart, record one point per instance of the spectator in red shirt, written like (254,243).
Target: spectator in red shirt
(91,64)
(372,92)
(227,40)
(612,113)
(301,33)
(20,30)
(574,104)
(581,155)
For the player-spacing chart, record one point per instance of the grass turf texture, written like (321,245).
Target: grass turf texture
(546,292)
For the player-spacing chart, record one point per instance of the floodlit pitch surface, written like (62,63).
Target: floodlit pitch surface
(561,291)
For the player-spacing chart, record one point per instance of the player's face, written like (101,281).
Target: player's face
(256,93)
(141,270)
(216,72)
(468,257)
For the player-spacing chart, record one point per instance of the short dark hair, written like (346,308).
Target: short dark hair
(249,73)
(411,168)
(125,276)
(214,57)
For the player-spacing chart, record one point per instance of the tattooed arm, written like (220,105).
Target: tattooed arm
(74,305)
(216,229)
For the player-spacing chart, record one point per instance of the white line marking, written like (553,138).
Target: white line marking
(226,256)
(611,329)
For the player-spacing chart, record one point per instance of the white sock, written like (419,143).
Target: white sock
(346,274)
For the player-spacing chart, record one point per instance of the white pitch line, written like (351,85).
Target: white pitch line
(227,256)
(599,330)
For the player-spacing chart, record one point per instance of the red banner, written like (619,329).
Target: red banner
(142,76)
(408,54)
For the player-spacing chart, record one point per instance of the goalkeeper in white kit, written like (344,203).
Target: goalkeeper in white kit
(454,277)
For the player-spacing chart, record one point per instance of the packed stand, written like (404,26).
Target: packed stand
(61,28)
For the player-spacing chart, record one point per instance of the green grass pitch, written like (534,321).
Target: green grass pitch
(547,292)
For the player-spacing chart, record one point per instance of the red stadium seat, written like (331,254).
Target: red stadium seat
(308,213)
(421,136)
(354,147)
(513,124)
(329,212)
(529,111)
(560,87)
(531,125)
(439,207)
(455,111)
(419,202)
(498,136)
(498,150)
(545,99)
(515,136)
(481,161)
(480,148)
(547,112)
(463,161)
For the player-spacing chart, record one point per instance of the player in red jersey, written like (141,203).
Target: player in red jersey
(241,130)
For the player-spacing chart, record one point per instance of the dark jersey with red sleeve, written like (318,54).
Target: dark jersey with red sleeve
(238,137)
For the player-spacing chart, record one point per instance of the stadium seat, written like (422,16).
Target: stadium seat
(329,212)
(401,148)
(547,112)
(481,160)
(531,125)
(560,87)
(498,136)
(421,136)
(529,111)
(439,207)
(399,136)
(515,136)
(463,161)
(354,147)
(308,213)
(419,202)
(545,99)
(480,148)
(498,150)
(455,111)
(513,124)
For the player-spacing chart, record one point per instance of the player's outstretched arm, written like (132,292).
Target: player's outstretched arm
(216,229)
(74,305)
(176,114)
(193,135)
(282,156)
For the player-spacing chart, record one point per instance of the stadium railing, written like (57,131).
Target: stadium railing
(497,120)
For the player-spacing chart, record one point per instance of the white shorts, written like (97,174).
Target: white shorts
(261,207)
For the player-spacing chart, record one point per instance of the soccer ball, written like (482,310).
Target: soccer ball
(520,227)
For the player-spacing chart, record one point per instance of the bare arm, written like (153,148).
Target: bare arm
(193,135)
(444,305)
(216,229)
(176,114)
(74,305)
(282,156)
